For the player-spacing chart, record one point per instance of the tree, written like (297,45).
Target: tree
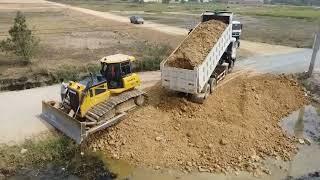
(21,41)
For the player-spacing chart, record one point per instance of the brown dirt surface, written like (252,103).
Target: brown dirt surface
(233,130)
(197,45)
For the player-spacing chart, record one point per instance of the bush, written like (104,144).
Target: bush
(21,40)
(74,73)
(152,55)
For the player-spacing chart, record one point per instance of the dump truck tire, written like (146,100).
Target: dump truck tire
(213,84)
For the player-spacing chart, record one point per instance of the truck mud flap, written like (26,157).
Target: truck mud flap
(66,124)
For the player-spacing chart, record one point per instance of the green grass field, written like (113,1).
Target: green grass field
(299,12)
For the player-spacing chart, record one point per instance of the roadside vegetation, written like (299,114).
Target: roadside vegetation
(21,41)
(36,154)
(55,157)
(151,56)
(148,55)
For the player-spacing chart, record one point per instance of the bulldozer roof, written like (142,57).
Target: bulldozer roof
(117,58)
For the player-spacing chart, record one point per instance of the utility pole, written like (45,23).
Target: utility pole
(316,46)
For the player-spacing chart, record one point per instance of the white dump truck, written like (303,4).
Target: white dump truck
(200,81)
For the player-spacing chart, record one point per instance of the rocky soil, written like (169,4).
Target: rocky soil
(235,129)
(197,45)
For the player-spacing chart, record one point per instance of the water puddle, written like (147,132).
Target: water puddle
(304,123)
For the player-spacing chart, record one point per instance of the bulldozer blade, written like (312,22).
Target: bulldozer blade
(71,127)
(66,124)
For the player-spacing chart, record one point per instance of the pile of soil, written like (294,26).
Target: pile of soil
(197,45)
(233,130)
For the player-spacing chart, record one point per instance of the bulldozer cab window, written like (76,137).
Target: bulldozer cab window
(125,68)
(113,75)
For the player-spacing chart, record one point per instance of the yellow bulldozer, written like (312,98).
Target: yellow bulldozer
(96,102)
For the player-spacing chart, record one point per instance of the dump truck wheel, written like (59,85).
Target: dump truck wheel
(139,100)
(206,91)
(231,65)
(213,84)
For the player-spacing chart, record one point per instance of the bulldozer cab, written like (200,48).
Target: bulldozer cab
(115,69)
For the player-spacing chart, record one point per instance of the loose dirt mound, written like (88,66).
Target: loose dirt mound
(233,130)
(196,47)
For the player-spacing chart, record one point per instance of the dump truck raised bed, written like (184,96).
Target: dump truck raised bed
(202,59)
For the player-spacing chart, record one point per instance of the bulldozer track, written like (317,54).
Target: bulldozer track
(98,112)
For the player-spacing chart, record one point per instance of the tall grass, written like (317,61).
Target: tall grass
(150,56)
(53,149)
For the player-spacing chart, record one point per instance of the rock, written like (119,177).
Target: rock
(158,138)
(116,156)
(189,163)
(188,134)
(307,141)
(210,146)
(157,168)
(23,151)
(301,141)
(202,169)
(267,171)
(223,142)
(111,142)
(255,158)
(183,108)
(188,169)
(82,153)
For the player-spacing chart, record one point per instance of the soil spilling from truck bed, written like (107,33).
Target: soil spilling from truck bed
(233,130)
(197,45)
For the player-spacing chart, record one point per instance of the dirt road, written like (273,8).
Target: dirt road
(20,110)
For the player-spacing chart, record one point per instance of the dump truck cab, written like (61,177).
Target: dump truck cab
(224,16)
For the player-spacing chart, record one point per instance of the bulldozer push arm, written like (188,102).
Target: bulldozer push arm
(73,128)
(98,118)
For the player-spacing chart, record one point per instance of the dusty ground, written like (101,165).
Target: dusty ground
(265,30)
(68,38)
(195,48)
(233,130)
